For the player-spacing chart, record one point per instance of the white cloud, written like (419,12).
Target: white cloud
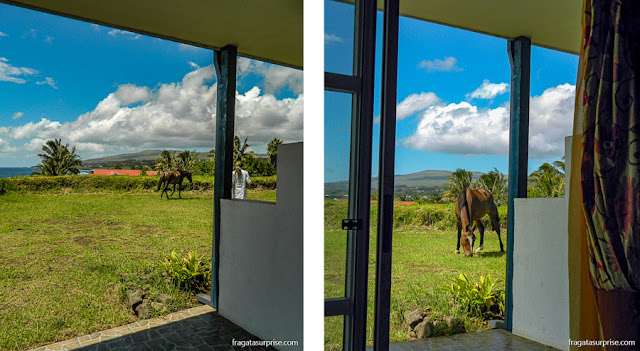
(193,65)
(275,77)
(95,27)
(17,115)
(447,65)
(332,38)
(49,39)
(32,33)
(187,47)
(175,115)
(3,35)
(464,129)
(489,90)
(5,147)
(124,34)
(412,104)
(9,73)
(48,81)
(31,129)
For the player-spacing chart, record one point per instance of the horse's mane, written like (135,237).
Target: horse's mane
(462,202)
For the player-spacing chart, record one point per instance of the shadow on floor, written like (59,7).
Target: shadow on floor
(489,340)
(208,331)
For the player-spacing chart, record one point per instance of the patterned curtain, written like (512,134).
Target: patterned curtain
(610,173)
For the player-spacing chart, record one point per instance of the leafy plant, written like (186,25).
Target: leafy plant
(476,297)
(58,159)
(191,272)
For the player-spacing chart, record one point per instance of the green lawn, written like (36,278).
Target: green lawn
(423,262)
(63,255)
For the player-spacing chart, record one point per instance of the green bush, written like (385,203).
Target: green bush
(96,183)
(6,185)
(192,272)
(409,217)
(476,297)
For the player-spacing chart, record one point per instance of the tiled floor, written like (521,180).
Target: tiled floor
(489,340)
(198,328)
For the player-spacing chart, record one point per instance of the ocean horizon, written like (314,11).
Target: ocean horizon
(10,172)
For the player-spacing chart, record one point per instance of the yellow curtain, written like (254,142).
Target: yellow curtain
(604,206)
(583,313)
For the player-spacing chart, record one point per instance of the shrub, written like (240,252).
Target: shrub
(191,273)
(96,183)
(6,185)
(476,297)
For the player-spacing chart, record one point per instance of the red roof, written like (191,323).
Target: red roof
(129,172)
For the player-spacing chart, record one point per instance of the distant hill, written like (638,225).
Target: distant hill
(133,160)
(414,183)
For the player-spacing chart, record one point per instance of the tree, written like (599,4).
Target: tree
(186,160)
(57,159)
(496,183)
(548,180)
(272,150)
(167,161)
(240,152)
(459,179)
(143,170)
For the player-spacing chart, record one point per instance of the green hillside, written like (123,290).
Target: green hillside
(411,184)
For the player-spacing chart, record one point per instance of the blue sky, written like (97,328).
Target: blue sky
(453,98)
(108,91)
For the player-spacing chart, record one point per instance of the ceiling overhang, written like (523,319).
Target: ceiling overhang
(270,30)
(553,24)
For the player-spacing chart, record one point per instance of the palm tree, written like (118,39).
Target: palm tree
(240,150)
(272,148)
(459,180)
(186,160)
(548,180)
(496,183)
(167,161)
(58,160)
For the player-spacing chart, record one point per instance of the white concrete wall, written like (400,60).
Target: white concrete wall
(261,257)
(540,270)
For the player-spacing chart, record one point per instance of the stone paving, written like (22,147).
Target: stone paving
(198,328)
(488,340)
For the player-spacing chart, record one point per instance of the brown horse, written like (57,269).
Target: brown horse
(472,205)
(175,178)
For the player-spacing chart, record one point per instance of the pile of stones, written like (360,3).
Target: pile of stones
(421,326)
(143,306)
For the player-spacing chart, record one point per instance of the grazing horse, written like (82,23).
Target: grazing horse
(472,205)
(168,178)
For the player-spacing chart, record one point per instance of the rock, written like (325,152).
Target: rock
(158,306)
(413,317)
(424,329)
(455,324)
(165,299)
(135,298)
(413,335)
(488,315)
(144,309)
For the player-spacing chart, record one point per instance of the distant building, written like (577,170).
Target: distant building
(129,172)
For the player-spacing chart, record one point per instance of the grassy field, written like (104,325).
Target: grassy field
(63,257)
(423,263)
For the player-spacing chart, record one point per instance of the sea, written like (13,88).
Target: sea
(10,172)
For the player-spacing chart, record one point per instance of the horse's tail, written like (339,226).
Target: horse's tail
(462,201)
(160,181)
